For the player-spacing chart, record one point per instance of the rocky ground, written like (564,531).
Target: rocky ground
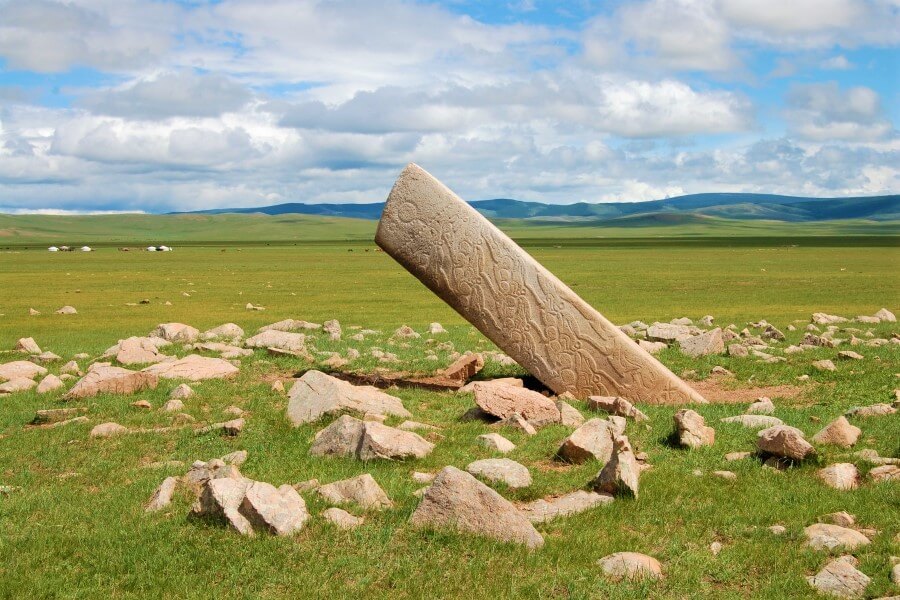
(435,437)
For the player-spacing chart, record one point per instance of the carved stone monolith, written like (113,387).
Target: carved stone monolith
(513,300)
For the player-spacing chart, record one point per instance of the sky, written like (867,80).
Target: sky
(157,106)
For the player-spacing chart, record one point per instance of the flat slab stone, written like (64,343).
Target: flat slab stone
(193,368)
(111,380)
(20,368)
(316,394)
(840,578)
(825,536)
(502,401)
(543,510)
(513,300)
(362,490)
(514,475)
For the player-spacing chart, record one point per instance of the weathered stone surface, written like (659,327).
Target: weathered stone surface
(182,392)
(692,430)
(436,328)
(405,331)
(630,565)
(20,369)
(503,401)
(27,345)
(381,441)
(873,410)
(652,347)
(227,331)
(362,490)
(849,355)
(456,500)
(517,421)
(543,510)
(824,365)
(138,350)
(840,578)
(70,368)
(105,379)
(784,441)
(176,332)
(838,433)
(290,325)
(223,350)
(67,310)
(47,357)
(162,497)
(594,440)
(279,511)
(342,438)
(620,475)
(220,499)
(495,441)
(17,384)
(616,405)
(825,536)
(469,388)
(236,458)
(341,518)
(842,518)
(668,332)
(55,415)
(193,368)
(173,406)
(283,340)
(333,329)
(885,473)
(704,344)
(762,406)
(504,470)
(840,476)
(530,314)
(569,415)
(105,430)
(317,394)
(886,315)
(826,319)
(754,421)
(465,367)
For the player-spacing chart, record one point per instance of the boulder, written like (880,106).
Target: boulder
(279,511)
(220,500)
(104,379)
(292,342)
(193,368)
(317,394)
(616,405)
(465,367)
(17,384)
(20,368)
(620,474)
(691,429)
(593,440)
(753,421)
(381,441)
(137,350)
(785,442)
(825,536)
(704,344)
(456,500)
(495,441)
(175,332)
(362,490)
(503,401)
(569,416)
(630,565)
(838,433)
(840,476)
(543,510)
(228,331)
(27,345)
(341,519)
(162,497)
(840,578)
(514,475)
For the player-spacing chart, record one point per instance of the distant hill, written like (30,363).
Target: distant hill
(768,207)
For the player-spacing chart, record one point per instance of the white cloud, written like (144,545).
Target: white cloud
(837,63)
(824,111)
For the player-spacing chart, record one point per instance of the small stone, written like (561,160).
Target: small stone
(631,566)
(762,406)
(105,430)
(162,497)
(495,441)
(838,433)
(849,355)
(824,536)
(436,328)
(465,367)
(341,518)
(840,476)
(173,406)
(593,440)
(732,456)
(886,315)
(67,310)
(503,401)
(777,529)
(784,441)
(873,410)
(729,475)
(824,365)
(220,499)
(49,383)
(142,404)
(279,511)
(27,345)
(422,477)
(616,405)
(840,578)
(691,429)
(842,519)
(754,421)
(885,473)
(182,392)
(569,416)
(362,490)
(704,344)
(236,458)
(620,474)
(504,470)
(715,548)
(543,510)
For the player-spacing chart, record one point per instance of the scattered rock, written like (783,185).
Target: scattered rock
(176,332)
(193,368)
(842,519)
(137,350)
(543,510)
(873,410)
(229,428)
(67,310)
(777,529)
(182,392)
(362,490)
(381,441)
(292,342)
(103,378)
(465,367)
(20,369)
(754,421)
(840,578)
(691,429)
(317,394)
(762,406)
(704,344)
(142,404)
(630,565)
(162,497)
(27,345)
(220,499)
(504,470)
(885,473)
(105,430)
(849,355)
(621,473)
(729,475)
(784,441)
(503,401)
(49,383)
(824,365)
(228,331)
(341,518)
(826,319)
(436,328)
(738,350)
(18,384)
(569,416)
(733,456)
(652,347)
(616,405)
(333,329)
(838,433)
(55,415)
(456,500)
(840,476)
(886,315)
(405,331)
(279,511)
(594,439)
(824,536)
(666,332)
(495,441)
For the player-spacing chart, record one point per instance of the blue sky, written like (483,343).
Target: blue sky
(156,106)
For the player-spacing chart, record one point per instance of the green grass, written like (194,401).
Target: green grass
(76,528)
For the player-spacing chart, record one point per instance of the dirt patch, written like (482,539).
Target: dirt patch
(724,391)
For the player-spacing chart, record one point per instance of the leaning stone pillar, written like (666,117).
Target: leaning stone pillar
(514,301)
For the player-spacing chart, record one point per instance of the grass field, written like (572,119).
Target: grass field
(76,526)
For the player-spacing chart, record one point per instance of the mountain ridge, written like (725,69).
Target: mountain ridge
(740,206)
